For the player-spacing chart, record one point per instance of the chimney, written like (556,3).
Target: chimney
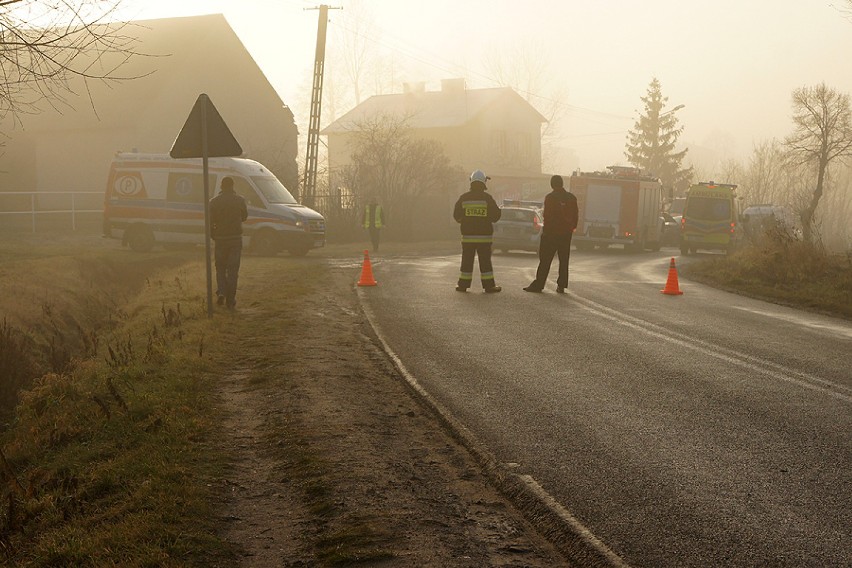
(452,85)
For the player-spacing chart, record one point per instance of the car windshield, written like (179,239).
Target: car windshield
(273,190)
(709,209)
(517,215)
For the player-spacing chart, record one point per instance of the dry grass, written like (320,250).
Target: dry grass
(785,271)
(107,460)
(112,459)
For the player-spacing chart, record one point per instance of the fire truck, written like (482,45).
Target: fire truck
(620,206)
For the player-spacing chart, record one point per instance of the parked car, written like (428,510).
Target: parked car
(671,230)
(519,227)
(758,219)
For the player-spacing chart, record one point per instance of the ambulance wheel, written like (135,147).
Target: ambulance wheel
(264,243)
(140,238)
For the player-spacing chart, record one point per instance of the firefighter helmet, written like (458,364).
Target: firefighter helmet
(479,175)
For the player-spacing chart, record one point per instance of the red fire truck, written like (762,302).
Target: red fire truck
(621,206)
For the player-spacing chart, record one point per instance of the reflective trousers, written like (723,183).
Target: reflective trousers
(486,270)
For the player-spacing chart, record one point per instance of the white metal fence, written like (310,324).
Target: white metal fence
(50,208)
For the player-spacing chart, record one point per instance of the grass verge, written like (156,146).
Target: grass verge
(109,462)
(116,458)
(783,271)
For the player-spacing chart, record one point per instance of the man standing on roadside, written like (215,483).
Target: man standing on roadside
(560,220)
(477,212)
(374,220)
(227,213)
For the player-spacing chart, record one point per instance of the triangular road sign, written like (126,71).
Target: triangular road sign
(220,141)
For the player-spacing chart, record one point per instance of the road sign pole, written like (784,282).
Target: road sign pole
(200,139)
(204,169)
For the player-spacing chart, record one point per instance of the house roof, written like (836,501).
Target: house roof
(432,109)
(184,55)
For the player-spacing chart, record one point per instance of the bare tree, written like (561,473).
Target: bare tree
(356,68)
(357,50)
(846,10)
(823,134)
(764,173)
(411,177)
(44,44)
(526,69)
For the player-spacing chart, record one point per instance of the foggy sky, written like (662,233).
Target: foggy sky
(733,64)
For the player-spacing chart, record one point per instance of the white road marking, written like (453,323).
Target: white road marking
(832,328)
(757,364)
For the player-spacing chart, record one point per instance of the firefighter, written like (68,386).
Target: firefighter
(476,212)
(374,220)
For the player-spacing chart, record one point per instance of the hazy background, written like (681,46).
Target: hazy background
(733,64)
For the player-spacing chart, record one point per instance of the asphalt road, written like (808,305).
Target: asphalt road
(699,430)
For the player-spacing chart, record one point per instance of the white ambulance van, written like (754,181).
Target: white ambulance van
(155,199)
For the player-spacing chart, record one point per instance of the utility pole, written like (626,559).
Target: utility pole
(309,187)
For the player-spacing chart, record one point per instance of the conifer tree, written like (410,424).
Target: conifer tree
(651,143)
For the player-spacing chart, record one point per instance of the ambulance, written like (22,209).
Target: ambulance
(154,199)
(711,218)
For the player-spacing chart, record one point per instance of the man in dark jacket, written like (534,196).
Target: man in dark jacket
(227,213)
(560,220)
(477,212)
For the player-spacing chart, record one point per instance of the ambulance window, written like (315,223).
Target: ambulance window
(242,187)
(709,209)
(184,187)
(273,190)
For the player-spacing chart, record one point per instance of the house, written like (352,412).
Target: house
(494,130)
(183,57)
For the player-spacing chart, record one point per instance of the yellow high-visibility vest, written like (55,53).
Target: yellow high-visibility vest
(377,217)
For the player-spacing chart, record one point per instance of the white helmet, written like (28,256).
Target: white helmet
(479,175)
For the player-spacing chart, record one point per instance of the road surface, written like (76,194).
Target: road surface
(706,429)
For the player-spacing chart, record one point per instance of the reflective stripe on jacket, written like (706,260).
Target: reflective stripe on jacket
(376,219)
(476,212)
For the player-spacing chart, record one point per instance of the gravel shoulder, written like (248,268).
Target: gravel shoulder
(334,460)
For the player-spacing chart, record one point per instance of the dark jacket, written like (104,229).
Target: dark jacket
(227,213)
(476,211)
(560,213)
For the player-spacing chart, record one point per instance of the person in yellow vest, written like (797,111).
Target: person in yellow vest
(374,220)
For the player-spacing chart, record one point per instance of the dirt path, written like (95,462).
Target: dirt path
(335,461)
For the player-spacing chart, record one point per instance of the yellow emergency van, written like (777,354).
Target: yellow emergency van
(155,199)
(711,218)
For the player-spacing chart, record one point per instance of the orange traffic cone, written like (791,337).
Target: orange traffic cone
(367,272)
(671,284)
